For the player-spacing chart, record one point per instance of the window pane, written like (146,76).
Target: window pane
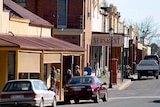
(23,75)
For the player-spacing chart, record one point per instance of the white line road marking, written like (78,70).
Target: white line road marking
(133,97)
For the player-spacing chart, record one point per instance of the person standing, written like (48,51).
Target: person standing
(58,80)
(88,69)
(68,76)
(77,71)
(53,78)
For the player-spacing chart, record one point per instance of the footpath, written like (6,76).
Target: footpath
(121,83)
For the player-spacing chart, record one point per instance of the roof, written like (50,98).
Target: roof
(39,43)
(18,11)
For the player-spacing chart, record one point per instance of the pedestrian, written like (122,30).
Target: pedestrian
(77,71)
(68,76)
(88,69)
(53,78)
(58,81)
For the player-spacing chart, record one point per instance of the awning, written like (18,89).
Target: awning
(38,43)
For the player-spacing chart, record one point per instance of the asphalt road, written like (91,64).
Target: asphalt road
(141,93)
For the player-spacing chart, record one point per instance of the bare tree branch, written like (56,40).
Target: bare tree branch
(146,29)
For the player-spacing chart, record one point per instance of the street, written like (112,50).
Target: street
(141,93)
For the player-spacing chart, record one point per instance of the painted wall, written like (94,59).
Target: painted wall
(97,18)
(1,9)
(14,26)
(3,68)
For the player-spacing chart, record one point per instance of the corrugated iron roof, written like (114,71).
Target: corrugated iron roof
(40,43)
(19,12)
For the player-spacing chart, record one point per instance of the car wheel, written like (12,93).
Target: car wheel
(41,103)
(139,76)
(54,103)
(67,100)
(157,77)
(76,101)
(105,97)
(96,99)
(29,105)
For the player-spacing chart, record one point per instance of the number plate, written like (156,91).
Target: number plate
(17,96)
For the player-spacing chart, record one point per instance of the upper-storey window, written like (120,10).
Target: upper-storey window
(62,14)
(21,2)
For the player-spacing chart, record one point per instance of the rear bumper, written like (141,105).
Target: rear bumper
(19,103)
(148,72)
(79,95)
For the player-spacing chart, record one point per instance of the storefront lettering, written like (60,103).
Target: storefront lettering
(106,41)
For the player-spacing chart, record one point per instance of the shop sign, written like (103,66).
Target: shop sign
(105,40)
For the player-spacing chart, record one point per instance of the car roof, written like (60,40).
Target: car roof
(31,80)
(83,76)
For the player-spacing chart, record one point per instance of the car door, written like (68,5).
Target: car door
(40,91)
(101,88)
(46,94)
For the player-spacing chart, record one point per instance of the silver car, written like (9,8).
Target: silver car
(27,92)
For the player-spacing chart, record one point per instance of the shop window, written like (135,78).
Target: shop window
(34,75)
(23,75)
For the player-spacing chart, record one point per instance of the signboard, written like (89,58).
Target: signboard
(105,40)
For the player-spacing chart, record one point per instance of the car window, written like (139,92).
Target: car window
(86,80)
(82,80)
(98,82)
(154,57)
(17,86)
(39,85)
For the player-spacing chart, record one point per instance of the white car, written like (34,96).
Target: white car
(27,92)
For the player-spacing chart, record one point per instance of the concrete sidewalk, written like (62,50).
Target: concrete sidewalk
(121,82)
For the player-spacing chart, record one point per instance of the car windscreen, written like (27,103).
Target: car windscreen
(81,80)
(17,86)
(152,57)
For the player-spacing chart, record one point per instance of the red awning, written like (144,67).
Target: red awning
(39,43)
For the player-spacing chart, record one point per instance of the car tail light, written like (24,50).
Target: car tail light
(4,96)
(33,95)
(89,88)
(66,89)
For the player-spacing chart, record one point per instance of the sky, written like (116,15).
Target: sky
(138,10)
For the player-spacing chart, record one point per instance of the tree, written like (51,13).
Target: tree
(146,29)
(154,48)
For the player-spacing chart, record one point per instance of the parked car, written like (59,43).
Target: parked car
(28,93)
(85,88)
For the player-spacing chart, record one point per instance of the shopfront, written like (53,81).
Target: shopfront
(32,57)
(101,43)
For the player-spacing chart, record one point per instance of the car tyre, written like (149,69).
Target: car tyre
(139,76)
(29,105)
(157,76)
(76,101)
(96,99)
(105,98)
(54,103)
(67,100)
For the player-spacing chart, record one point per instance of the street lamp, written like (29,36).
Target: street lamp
(111,37)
